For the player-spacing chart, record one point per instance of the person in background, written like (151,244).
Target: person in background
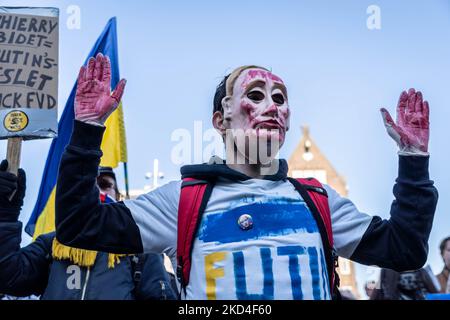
(443,277)
(369,287)
(51,270)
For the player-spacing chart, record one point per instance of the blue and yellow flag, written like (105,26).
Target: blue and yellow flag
(113,146)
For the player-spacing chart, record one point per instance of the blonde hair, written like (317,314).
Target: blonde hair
(225,87)
(231,80)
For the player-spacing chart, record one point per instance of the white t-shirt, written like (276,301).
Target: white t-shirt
(280,257)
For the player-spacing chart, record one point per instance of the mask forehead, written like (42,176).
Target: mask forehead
(264,117)
(249,76)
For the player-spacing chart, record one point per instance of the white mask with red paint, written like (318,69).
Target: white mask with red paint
(257,109)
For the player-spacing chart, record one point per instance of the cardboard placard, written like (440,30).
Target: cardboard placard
(29,72)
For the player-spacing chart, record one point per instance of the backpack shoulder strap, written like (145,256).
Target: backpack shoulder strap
(194,196)
(316,198)
(319,196)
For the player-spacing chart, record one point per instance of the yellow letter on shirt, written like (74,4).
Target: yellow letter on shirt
(213,273)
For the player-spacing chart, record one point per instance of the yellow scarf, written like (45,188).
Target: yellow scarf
(81,257)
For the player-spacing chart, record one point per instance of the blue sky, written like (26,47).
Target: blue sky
(338,73)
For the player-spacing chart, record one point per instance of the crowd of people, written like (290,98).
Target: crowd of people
(234,228)
(51,270)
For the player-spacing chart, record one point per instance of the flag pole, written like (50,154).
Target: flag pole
(127,188)
(13,155)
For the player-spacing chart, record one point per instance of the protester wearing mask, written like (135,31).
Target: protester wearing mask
(256,234)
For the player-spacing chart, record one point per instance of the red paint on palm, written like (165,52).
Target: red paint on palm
(412,129)
(94,101)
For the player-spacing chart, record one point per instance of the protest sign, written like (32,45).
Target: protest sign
(28,72)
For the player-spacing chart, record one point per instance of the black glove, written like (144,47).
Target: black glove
(10,210)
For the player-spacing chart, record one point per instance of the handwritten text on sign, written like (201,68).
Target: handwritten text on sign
(28,66)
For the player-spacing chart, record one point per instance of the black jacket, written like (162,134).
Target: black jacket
(400,243)
(32,270)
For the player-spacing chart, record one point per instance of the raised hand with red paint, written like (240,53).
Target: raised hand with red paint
(411,132)
(94,101)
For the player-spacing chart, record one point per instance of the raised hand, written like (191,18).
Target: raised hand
(411,132)
(93,100)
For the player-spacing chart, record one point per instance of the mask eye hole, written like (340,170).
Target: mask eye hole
(278,98)
(256,96)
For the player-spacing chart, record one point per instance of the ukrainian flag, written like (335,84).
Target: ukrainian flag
(113,146)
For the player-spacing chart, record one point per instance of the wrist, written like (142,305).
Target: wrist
(413,153)
(411,150)
(90,119)
(97,123)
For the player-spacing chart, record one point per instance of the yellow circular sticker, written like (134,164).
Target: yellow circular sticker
(15,121)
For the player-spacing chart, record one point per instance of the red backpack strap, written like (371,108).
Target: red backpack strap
(320,198)
(194,196)
(316,198)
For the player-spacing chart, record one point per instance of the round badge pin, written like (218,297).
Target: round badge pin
(245,222)
(15,121)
